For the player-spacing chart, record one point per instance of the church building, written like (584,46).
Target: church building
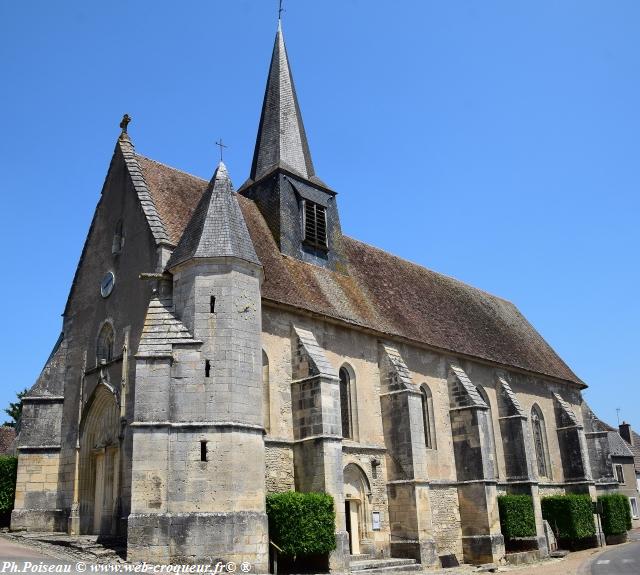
(221,345)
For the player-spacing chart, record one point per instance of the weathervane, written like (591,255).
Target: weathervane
(280,9)
(124,123)
(221,145)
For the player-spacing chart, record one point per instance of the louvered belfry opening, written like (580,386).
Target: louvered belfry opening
(315,224)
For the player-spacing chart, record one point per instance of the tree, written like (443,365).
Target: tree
(14,411)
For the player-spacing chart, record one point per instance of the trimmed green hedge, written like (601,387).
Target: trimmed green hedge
(616,514)
(516,516)
(302,523)
(570,516)
(8,472)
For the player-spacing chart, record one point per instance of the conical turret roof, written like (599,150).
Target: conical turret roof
(217,227)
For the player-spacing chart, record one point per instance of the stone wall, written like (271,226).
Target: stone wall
(279,468)
(446,520)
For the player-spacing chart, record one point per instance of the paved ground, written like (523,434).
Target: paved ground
(10,550)
(619,560)
(615,560)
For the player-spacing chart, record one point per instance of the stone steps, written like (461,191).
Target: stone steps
(384,565)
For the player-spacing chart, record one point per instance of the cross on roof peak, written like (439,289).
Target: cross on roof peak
(221,145)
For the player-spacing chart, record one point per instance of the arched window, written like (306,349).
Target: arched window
(428,417)
(540,442)
(266,393)
(492,436)
(104,349)
(348,409)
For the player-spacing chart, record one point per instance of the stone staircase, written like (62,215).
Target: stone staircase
(369,564)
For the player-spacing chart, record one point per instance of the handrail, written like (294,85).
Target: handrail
(275,557)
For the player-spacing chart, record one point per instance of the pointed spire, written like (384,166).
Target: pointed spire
(281,140)
(217,227)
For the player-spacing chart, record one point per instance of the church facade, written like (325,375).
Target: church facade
(218,346)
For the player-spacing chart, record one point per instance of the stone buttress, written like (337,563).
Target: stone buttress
(482,540)
(407,482)
(518,455)
(198,489)
(317,433)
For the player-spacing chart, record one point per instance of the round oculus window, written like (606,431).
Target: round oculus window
(107,283)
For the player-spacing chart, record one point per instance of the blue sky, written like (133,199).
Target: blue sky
(494,141)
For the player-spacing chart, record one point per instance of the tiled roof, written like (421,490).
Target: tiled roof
(635,449)
(379,291)
(216,227)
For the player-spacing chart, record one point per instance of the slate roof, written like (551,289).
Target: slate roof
(217,227)
(379,291)
(281,140)
(162,329)
(618,446)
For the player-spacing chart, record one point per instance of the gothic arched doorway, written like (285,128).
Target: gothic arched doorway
(356,506)
(99,463)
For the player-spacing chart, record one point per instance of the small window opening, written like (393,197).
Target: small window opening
(118,239)
(315,224)
(207,368)
(203,451)
(212,304)
(619,473)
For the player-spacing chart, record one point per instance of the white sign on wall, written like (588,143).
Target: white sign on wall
(375,516)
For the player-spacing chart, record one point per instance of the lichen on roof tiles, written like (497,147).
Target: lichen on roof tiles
(377,290)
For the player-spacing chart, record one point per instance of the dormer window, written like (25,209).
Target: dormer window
(315,224)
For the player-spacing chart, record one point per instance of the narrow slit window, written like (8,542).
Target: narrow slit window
(212,304)
(315,224)
(207,368)
(203,451)
(619,473)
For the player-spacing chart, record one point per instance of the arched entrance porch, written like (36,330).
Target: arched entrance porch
(100,463)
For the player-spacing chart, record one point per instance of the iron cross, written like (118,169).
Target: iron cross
(221,145)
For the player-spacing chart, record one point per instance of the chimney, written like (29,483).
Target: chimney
(625,432)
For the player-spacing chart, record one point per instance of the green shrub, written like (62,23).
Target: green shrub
(516,516)
(616,514)
(8,472)
(570,516)
(302,523)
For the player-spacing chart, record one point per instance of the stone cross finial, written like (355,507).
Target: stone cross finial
(124,123)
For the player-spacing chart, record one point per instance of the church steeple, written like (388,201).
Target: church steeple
(281,141)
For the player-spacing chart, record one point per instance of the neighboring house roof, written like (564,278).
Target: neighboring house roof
(379,291)
(635,449)
(7,439)
(618,446)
